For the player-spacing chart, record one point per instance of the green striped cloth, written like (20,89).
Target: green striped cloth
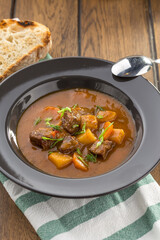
(132,213)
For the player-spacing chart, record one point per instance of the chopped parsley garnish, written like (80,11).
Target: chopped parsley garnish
(83,130)
(79,151)
(99,116)
(100,108)
(48,119)
(75,105)
(38,120)
(101,136)
(75,125)
(58,140)
(53,139)
(56,127)
(49,139)
(84,127)
(91,158)
(63,110)
(100,142)
(81,159)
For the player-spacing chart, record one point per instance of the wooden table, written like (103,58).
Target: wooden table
(108,29)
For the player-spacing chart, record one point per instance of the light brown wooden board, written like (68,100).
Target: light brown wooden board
(5,7)
(61,18)
(155,5)
(115,29)
(13,224)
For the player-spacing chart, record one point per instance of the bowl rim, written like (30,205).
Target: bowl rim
(121,177)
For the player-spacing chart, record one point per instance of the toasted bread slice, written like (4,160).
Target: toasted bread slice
(22,43)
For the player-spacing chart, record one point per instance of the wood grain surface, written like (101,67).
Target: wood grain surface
(155,5)
(59,16)
(102,28)
(115,29)
(5,8)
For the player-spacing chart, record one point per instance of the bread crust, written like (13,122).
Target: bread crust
(35,54)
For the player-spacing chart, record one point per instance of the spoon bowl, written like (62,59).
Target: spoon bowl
(133,66)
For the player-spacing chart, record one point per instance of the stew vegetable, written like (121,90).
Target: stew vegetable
(72,133)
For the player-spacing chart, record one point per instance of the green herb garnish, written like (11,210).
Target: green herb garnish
(48,139)
(79,151)
(91,158)
(53,139)
(99,116)
(83,130)
(58,140)
(56,127)
(100,108)
(81,159)
(75,125)
(84,127)
(101,136)
(75,105)
(38,120)
(48,119)
(63,110)
(99,143)
(104,130)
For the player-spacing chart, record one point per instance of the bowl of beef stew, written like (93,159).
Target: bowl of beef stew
(71,129)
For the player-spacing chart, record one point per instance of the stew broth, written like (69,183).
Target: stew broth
(86,99)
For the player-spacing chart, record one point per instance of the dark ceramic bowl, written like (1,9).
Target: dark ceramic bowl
(21,89)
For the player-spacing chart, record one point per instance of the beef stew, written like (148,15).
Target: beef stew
(76,133)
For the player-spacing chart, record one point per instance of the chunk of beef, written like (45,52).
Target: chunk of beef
(36,137)
(69,145)
(103,149)
(85,152)
(71,121)
(61,134)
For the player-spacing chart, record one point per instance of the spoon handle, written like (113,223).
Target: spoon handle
(157,60)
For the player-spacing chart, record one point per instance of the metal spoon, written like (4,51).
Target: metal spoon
(133,66)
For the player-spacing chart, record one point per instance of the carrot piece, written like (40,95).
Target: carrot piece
(104,116)
(78,163)
(51,108)
(53,133)
(117,136)
(51,112)
(109,130)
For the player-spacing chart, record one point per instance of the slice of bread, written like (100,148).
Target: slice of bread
(22,43)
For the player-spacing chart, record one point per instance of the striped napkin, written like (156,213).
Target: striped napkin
(132,213)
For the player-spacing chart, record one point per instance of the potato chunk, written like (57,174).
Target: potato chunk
(117,136)
(90,121)
(105,116)
(59,159)
(87,137)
